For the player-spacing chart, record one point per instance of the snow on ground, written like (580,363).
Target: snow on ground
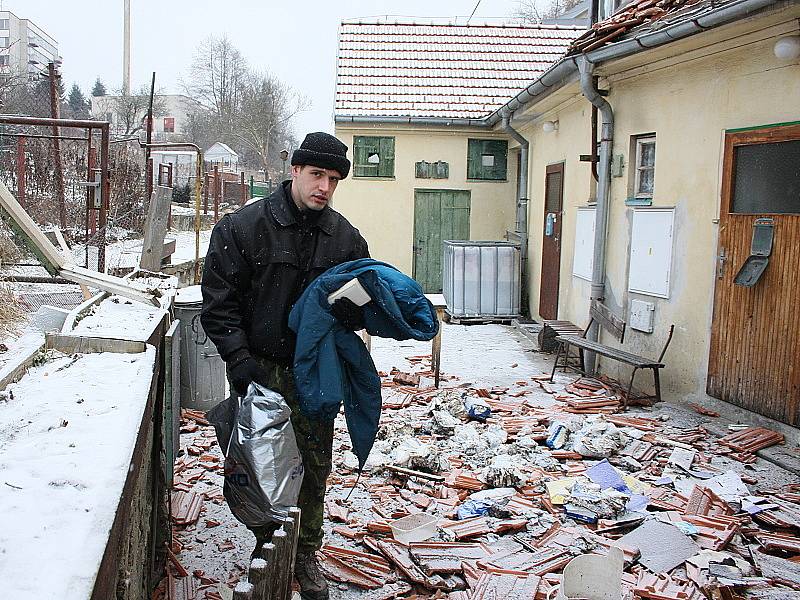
(126,253)
(19,348)
(484,355)
(66,441)
(185,245)
(117,317)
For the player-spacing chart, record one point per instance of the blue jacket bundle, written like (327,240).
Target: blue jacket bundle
(332,365)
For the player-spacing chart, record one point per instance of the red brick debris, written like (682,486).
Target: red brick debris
(520,545)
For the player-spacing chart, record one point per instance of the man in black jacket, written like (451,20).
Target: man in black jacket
(260,260)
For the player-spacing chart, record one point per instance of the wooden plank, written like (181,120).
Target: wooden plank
(269,554)
(155,228)
(29,232)
(281,581)
(71,344)
(170,426)
(62,243)
(610,322)
(79,311)
(107,283)
(243,591)
(257,575)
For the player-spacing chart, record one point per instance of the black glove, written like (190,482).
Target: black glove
(348,313)
(245,371)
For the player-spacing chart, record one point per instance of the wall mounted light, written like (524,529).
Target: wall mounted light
(549,126)
(787,48)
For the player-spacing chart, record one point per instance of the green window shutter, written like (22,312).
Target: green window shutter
(497,150)
(365,146)
(386,152)
(360,156)
(474,159)
(422,169)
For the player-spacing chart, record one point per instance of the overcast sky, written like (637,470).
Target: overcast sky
(295,40)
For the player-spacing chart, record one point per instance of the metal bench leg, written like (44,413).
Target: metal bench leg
(581,356)
(555,364)
(657,382)
(630,387)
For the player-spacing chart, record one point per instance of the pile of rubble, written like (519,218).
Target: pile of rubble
(472,493)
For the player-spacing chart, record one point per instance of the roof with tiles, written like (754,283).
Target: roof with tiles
(635,16)
(438,70)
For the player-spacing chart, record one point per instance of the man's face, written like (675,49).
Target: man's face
(313,187)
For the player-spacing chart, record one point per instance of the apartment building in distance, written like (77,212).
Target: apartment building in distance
(25,48)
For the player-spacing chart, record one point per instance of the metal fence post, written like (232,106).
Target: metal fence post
(21,170)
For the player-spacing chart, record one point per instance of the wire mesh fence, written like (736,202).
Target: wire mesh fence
(56,176)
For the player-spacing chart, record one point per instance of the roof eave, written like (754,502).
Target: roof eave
(563,71)
(398,120)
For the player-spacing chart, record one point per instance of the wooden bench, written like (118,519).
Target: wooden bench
(615,326)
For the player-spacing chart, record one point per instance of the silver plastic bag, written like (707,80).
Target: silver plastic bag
(263,468)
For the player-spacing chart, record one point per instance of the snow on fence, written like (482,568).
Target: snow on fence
(270,575)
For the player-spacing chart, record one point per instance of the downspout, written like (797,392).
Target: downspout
(521,227)
(592,94)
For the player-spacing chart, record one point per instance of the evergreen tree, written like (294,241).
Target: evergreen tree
(77,102)
(99,88)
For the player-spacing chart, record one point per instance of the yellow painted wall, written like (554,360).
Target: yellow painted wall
(383,210)
(689,101)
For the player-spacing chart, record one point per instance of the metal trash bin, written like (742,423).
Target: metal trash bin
(481,279)
(202,369)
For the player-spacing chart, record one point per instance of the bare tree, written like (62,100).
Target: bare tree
(217,76)
(536,11)
(130,110)
(250,110)
(267,107)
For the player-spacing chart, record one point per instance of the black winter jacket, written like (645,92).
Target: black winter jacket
(260,259)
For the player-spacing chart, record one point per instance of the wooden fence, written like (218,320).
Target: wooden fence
(270,576)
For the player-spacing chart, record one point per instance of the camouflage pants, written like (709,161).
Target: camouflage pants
(315,442)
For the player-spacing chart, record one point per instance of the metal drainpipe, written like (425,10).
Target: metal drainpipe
(592,94)
(522,207)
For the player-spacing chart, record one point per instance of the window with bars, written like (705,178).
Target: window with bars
(487,160)
(373,156)
(645,167)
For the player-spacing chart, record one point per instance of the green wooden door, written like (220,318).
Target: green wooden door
(438,215)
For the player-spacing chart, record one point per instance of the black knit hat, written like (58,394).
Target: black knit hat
(322,150)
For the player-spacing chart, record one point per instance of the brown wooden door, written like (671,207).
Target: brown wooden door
(754,360)
(551,241)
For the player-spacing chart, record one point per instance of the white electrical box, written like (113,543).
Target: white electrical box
(642,315)
(651,251)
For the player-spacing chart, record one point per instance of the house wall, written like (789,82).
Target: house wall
(688,100)
(383,209)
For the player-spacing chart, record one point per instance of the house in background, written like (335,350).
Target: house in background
(222,156)
(694,154)
(411,102)
(171,126)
